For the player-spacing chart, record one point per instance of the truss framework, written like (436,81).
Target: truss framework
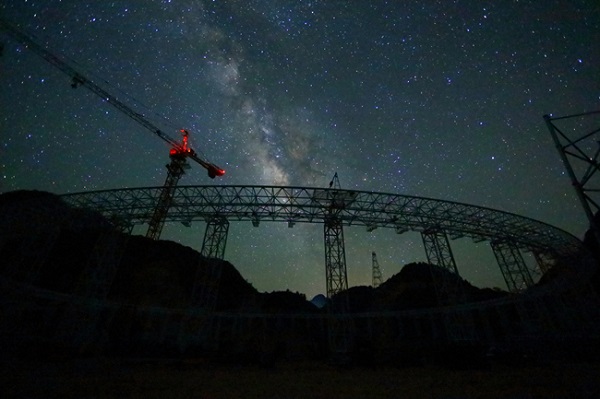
(513,267)
(377,277)
(215,238)
(313,205)
(439,253)
(579,147)
(335,257)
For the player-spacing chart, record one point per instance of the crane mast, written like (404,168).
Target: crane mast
(179,153)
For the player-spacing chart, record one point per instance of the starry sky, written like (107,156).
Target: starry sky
(433,98)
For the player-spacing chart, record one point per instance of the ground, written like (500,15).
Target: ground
(151,378)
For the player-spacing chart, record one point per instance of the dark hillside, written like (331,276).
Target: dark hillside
(163,273)
(54,246)
(411,288)
(27,211)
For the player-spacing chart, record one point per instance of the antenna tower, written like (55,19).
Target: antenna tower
(377,277)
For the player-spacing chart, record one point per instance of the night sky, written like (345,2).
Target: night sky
(440,99)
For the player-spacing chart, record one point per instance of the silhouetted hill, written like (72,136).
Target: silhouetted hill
(286,302)
(26,211)
(167,274)
(411,288)
(57,247)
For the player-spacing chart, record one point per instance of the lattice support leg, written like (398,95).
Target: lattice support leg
(335,257)
(544,261)
(208,275)
(438,251)
(339,325)
(512,265)
(215,238)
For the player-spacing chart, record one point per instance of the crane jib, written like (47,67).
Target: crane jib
(80,80)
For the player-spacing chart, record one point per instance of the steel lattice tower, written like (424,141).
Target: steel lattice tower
(335,253)
(438,251)
(580,154)
(377,277)
(335,257)
(513,267)
(215,238)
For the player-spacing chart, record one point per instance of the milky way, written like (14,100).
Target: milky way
(440,99)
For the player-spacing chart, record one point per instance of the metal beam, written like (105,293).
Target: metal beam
(377,276)
(544,260)
(314,205)
(335,257)
(215,238)
(572,147)
(439,253)
(512,265)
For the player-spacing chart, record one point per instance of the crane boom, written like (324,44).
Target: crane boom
(80,80)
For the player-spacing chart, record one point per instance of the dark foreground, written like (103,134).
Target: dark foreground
(151,378)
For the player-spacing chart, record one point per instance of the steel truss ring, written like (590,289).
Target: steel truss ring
(135,206)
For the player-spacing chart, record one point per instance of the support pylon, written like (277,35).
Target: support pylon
(203,302)
(377,277)
(582,148)
(335,257)
(339,323)
(335,253)
(206,282)
(448,287)
(215,238)
(513,267)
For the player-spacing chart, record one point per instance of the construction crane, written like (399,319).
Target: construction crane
(179,153)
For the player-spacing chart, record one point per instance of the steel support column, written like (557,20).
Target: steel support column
(512,265)
(438,251)
(215,238)
(377,277)
(339,324)
(208,275)
(583,148)
(205,291)
(335,257)
(545,261)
